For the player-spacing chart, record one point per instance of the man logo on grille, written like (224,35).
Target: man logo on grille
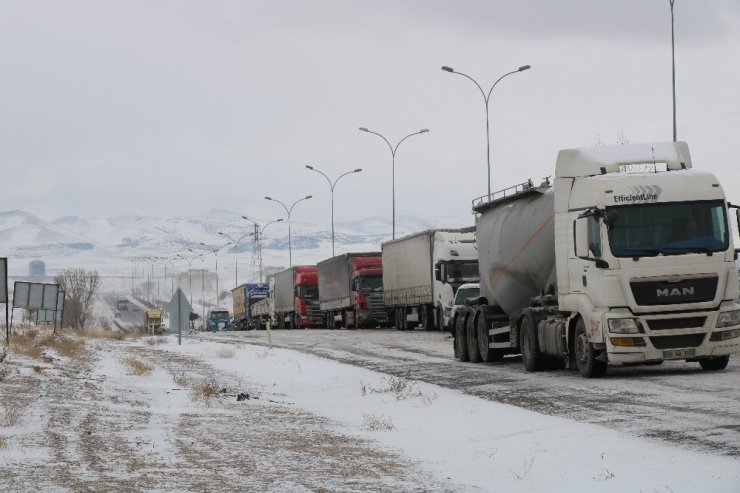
(686,291)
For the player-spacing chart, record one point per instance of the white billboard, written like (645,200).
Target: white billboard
(20,294)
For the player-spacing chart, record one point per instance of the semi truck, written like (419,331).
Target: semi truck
(153,321)
(351,290)
(244,298)
(421,273)
(262,313)
(218,320)
(296,298)
(626,258)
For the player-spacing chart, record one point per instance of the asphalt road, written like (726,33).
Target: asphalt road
(675,402)
(133,318)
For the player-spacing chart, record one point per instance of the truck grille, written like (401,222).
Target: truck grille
(692,290)
(314,312)
(675,342)
(676,323)
(376,307)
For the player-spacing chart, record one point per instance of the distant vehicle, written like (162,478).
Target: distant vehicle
(296,298)
(470,290)
(153,321)
(421,273)
(351,290)
(218,319)
(122,304)
(245,296)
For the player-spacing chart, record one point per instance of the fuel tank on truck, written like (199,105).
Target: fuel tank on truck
(516,246)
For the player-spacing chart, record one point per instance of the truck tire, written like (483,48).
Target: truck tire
(461,344)
(487,353)
(329,320)
(405,319)
(588,365)
(427,317)
(440,325)
(471,333)
(397,318)
(714,364)
(531,357)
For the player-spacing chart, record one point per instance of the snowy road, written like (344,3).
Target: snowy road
(675,402)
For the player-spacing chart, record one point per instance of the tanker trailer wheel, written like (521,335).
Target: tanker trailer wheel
(397,318)
(487,353)
(471,333)
(588,365)
(714,364)
(531,357)
(461,344)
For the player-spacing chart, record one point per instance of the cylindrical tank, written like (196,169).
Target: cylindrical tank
(516,248)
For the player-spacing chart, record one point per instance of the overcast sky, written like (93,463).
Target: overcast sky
(178,107)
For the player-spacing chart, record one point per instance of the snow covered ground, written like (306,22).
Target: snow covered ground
(309,424)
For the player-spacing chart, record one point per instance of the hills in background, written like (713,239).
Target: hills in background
(108,244)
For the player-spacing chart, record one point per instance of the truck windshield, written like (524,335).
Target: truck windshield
(371,283)
(309,292)
(461,271)
(465,293)
(671,228)
(219,314)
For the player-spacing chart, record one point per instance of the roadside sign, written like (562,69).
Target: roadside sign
(179,310)
(3,280)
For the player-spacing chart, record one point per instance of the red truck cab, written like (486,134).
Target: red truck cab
(367,291)
(306,297)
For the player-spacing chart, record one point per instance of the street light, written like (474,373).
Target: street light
(288,211)
(190,275)
(258,232)
(214,251)
(236,256)
(486,98)
(331,187)
(393,171)
(202,256)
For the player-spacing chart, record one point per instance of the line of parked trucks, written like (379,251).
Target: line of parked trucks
(626,257)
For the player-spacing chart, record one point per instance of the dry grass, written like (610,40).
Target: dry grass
(225,353)
(90,333)
(371,422)
(153,341)
(181,379)
(37,368)
(136,366)
(11,416)
(3,443)
(4,372)
(205,391)
(401,388)
(66,346)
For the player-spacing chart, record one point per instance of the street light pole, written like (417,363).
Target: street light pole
(331,187)
(214,251)
(288,211)
(673,72)
(486,99)
(393,164)
(236,255)
(190,275)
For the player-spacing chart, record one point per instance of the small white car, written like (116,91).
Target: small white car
(469,290)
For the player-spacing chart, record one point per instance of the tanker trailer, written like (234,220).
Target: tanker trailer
(627,258)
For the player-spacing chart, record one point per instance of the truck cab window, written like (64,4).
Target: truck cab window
(594,236)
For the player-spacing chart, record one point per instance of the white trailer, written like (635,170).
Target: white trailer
(421,273)
(627,258)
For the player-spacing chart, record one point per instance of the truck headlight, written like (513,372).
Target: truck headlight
(726,319)
(724,335)
(623,326)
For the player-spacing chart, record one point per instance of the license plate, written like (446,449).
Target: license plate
(679,353)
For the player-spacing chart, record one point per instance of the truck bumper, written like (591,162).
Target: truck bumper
(706,349)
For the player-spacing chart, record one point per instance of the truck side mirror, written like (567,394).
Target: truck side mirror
(737,216)
(580,237)
(438,272)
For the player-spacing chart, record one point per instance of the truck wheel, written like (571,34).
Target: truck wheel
(427,317)
(531,357)
(487,353)
(714,364)
(471,332)
(588,365)
(461,344)
(405,319)
(398,312)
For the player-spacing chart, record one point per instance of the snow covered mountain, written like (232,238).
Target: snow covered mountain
(108,244)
